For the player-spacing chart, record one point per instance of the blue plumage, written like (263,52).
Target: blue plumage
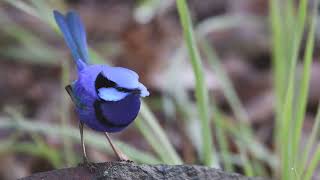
(78,33)
(74,35)
(107,98)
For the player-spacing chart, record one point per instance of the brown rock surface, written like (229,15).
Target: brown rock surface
(128,171)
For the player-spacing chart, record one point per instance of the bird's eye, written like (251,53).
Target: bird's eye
(126,90)
(102,81)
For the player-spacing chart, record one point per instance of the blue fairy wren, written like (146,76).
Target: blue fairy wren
(107,99)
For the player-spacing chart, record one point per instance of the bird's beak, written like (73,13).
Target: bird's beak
(136,91)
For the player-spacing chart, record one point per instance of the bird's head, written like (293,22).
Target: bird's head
(115,83)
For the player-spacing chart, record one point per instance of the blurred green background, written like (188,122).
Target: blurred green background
(237,90)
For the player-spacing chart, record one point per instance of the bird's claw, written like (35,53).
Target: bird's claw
(125,161)
(89,165)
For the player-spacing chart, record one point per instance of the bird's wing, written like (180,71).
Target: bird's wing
(74,35)
(74,98)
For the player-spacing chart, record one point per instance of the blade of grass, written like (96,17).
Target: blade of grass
(220,23)
(223,22)
(225,82)
(311,141)
(97,141)
(153,141)
(247,166)
(290,149)
(304,86)
(145,10)
(65,115)
(279,75)
(313,164)
(38,148)
(289,48)
(234,102)
(31,48)
(35,8)
(44,11)
(280,59)
(155,128)
(201,90)
(44,149)
(255,149)
(222,138)
(185,105)
(34,149)
(22,5)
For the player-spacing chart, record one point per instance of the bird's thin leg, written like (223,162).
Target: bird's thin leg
(86,162)
(84,153)
(119,154)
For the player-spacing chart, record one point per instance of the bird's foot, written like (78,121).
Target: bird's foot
(89,165)
(123,158)
(125,161)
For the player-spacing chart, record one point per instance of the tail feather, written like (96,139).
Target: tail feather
(74,35)
(78,32)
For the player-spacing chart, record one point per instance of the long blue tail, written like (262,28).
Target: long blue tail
(75,36)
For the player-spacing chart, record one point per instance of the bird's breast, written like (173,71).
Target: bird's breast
(117,114)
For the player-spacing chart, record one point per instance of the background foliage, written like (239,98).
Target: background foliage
(234,84)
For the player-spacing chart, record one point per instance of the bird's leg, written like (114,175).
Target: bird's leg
(119,154)
(84,153)
(89,165)
(85,162)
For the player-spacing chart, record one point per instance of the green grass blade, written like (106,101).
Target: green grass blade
(286,41)
(65,115)
(222,139)
(304,86)
(235,104)
(31,49)
(226,84)
(310,143)
(35,8)
(22,5)
(313,164)
(53,155)
(201,90)
(153,141)
(248,168)
(95,140)
(279,59)
(157,132)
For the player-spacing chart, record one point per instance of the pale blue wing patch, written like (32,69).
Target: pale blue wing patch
(111,94)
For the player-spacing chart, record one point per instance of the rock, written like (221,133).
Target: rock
(132,171)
